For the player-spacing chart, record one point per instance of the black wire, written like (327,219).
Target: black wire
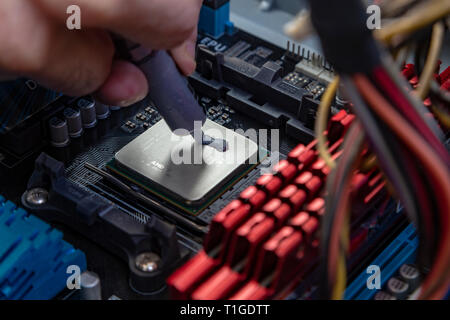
(428,242)
(378,143)
(335,190)
(406,160)
(421,51)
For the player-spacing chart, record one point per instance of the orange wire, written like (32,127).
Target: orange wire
(427,156)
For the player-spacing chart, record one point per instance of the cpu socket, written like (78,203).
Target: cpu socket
(180,170)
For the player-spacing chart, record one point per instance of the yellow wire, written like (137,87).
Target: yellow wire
(341,273)
(426,77)
(421,17)
(369,163)
(322,120)
(442,116)
(341,279)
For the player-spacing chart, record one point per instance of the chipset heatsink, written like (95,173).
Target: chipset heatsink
(185,172)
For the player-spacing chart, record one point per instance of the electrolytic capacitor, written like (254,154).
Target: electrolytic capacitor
(74,123)
(102,110)
(88,113)
(59,132)
(398,288)
(90,286)
(114,108)
(381,295)
(411,275)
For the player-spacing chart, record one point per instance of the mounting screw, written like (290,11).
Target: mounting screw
(266,5)
(36,196)
(147,262)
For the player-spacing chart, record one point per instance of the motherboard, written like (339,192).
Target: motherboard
(92,187)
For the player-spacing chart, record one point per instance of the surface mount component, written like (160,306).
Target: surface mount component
(182,169)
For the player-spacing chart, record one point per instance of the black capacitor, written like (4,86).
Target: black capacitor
(88,113)
(90,286)
(59,132)
(398,288)
(74,123)
(381,295)
(102,110)
(411,275)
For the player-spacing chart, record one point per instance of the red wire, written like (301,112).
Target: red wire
(399,100)
(424,202)
(436,169)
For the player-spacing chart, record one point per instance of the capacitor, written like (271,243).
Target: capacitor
(398,288)
(90,286)
(381,295)
(74,123)
(114,108)
(102,110)
(411,275)
(88,113)
(59,132)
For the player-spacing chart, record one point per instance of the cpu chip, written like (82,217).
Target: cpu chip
(182,170)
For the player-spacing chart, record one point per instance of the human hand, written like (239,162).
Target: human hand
(37,44)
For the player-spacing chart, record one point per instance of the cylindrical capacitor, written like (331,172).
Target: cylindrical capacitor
(59,133)
(170,92)
(73,118)
(102,110)
(381,295)
(398,288)
(90,286)
(114,108)
(411,275)
(88,113)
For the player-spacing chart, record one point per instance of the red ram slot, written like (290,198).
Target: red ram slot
(222,226)
(244,247)
(293,196)
(184,280)
(285,170)
(310,183)
(270,184)
(307,224)
(295,153)
(253,196)
(277,209)
(316,207)
(252,291)
(279,258)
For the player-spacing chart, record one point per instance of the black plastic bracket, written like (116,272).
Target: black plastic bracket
(103,223)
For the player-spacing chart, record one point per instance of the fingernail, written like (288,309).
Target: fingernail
(129,102)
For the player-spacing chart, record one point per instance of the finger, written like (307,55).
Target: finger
(125,85)
(157,24)
(76,63)
(184,55)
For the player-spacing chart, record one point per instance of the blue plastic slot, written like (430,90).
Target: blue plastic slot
(401,250)
(33,256)
(217,22)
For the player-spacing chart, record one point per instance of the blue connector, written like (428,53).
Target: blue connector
(402,250)
(33,256)
(216,22)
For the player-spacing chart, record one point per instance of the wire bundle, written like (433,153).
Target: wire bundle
(406,141)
